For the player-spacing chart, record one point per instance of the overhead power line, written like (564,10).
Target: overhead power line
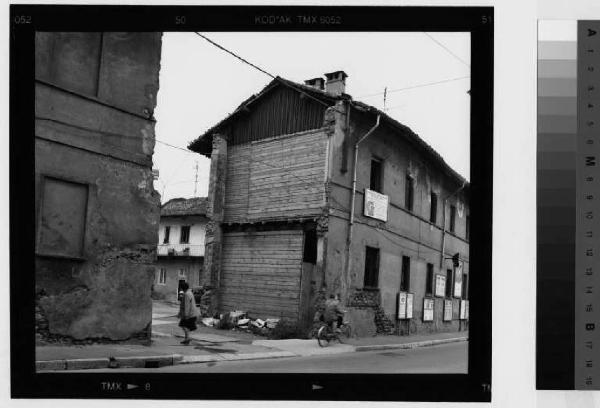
(276,77)
(415,86)
(235,55)
(447,49)
(175,147)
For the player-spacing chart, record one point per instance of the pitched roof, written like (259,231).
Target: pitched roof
(184,206)
(203,144)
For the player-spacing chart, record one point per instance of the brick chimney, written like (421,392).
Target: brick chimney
(336,82)
(317,82)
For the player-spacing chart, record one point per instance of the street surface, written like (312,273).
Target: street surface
(446,358)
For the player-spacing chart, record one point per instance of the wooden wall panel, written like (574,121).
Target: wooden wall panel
(283,177)
(261,273)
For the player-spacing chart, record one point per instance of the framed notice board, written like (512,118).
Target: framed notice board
(447,310)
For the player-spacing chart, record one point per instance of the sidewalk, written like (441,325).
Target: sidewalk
(209,344)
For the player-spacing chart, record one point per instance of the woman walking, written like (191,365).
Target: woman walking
(187,312)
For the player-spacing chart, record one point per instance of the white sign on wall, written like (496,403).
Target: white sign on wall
(440,285)
(428,310)
(463,309)
(409,305)
(458,282)
(402,305)
(447,310)
(376,205)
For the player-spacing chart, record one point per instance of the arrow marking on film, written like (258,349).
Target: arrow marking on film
(132,386)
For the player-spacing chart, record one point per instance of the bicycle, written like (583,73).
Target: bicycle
(326,334)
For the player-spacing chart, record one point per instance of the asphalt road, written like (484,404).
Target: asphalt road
(446,358)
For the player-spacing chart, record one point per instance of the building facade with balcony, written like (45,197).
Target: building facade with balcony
(180,247)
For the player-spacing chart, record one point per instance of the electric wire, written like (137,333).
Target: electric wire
(447,49)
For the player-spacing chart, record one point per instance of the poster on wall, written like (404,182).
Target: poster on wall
(409,305)
(466,310)
(458,282)
(440,285)
(376,205)
(402,305)
(447,310)
(428,310)
(463,309)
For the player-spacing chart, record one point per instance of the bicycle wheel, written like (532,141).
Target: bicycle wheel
(322,337)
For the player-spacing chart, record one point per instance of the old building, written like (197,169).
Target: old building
(97,211)
(180,246)
(313,193)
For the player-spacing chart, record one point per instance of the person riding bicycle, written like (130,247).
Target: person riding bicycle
(333,314)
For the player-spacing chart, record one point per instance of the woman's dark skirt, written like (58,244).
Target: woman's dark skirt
(189,324)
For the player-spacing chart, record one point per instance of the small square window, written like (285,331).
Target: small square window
(452,218)
(429,280)
(376,176)
(167,234)
(433,210)
(371,267)
(162,276)
(185,235)
(409,193)
(449,282)
(405,275)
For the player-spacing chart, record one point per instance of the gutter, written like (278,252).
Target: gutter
(351,222)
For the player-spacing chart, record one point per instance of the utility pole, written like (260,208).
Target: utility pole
(196,179)
(384,97)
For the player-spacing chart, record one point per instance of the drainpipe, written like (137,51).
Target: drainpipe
(444,223)
(351,223)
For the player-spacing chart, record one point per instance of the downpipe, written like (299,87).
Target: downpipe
(352,206)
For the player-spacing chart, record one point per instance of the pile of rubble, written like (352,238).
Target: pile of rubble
(239,320)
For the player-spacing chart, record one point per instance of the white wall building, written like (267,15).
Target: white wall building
(180,246)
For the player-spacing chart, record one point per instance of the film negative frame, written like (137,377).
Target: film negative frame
(474,386)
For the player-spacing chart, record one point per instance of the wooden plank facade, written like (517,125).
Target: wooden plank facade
(279,177)
(261,272)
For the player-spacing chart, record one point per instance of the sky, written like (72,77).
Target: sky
(201,84)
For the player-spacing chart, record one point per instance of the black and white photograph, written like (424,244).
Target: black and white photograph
(260,202)
(242,202)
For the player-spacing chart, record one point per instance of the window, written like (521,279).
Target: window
(70,60)
(452,218)
(63,218)
(464,286)
(162,276)
(371,267)
(405,275)
(429,280)
(409,193)
(375,183)
(467,230)
(449,283)
(167,234)
(185,234)
(433,210)
(310,247)
(182,273)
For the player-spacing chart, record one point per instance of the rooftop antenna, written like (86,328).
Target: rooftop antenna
(384,97)
(196,179)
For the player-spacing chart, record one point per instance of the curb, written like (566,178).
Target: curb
(235,357)
(123,362)
(425,343)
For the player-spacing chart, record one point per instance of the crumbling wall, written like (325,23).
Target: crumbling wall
(106,292)
(97,211)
